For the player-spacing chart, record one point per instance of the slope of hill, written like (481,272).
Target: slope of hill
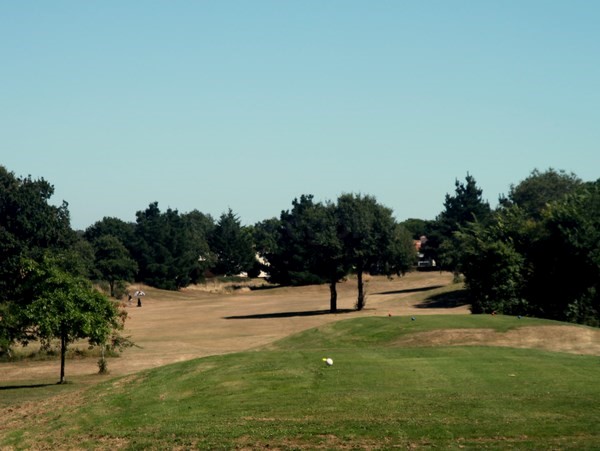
(380,393)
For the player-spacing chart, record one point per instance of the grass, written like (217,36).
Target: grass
(375,396)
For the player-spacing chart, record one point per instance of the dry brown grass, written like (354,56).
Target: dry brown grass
(207,320)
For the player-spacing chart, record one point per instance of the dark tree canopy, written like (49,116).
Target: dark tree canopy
(123,231)
(232,245)
(29,228)
(541,262)
(166,254)
(540,189)
(113,262)
(464,207)
(368,232)
(303,246)
(289,252)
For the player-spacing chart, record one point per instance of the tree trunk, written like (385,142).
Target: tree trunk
(112,288)
(63,352)
(333,299)
(360,303)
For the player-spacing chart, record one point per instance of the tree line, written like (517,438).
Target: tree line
(537,253)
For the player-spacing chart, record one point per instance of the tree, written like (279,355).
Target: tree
(540,189)
(79,257)
(401,254)
(67,308)
(199,227)
(165,250)
(416,227)
(113,262)
(232,245)
(326,252)
(542,261)
(464,207)
(565,283)
(29,227)
(303,246)
(266,235)
(367,230)
(493,269)
(123,231)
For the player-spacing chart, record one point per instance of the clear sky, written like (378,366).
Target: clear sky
(211,105)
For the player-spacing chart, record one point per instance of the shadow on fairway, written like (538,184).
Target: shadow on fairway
(290,314)
(445,300)
(18,387)
(264,287)
(412,290)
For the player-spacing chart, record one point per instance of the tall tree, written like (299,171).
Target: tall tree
(165,251)
(465,206)
(199,227)
(232,245)
(123,231)
(367,231)
(303,247)
(539,189)
(565,283)
(29,227)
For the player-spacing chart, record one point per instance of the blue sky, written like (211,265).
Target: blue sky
(211,105)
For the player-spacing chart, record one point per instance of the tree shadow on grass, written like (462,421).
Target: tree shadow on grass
(451,299)
(290,314)
(18,387)
(412,290)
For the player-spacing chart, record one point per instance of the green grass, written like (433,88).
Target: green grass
(376,395)
(377,331)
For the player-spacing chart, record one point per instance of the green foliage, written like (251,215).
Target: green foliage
(416,227)
(113,262)
(493,272)
(540,189)
(29,228)
(543,261)
(464,207)
(232,245)
(307,247)
(320,243)
(67,308)
(123,231)
(309,250)
(370,239)
(165,250)
(570,251)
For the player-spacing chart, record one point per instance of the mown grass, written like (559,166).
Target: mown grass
(375,396)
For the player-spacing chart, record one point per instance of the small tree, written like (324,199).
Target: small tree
(67,308)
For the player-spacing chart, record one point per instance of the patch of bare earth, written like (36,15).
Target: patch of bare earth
(571,339)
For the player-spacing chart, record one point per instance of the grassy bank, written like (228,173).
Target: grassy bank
(376,395)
